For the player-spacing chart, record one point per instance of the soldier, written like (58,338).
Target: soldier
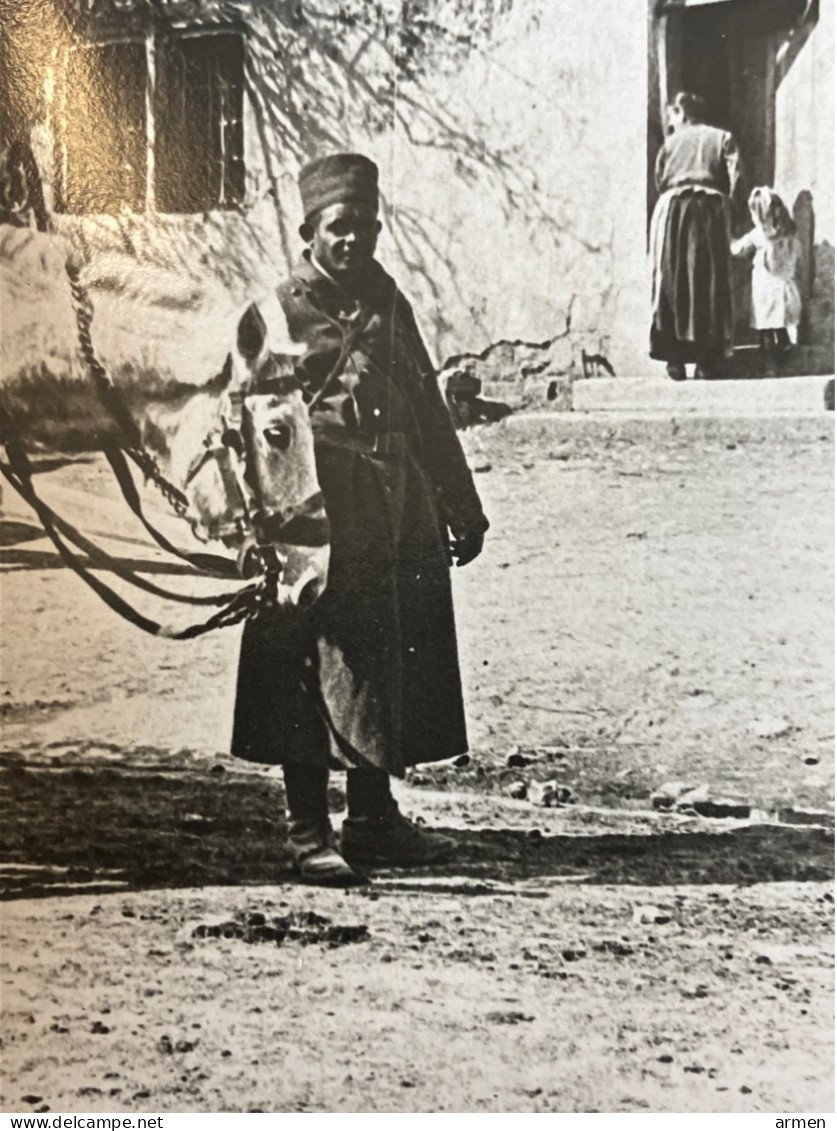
(367,680)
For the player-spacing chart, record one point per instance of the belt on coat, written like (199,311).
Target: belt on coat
(369,443)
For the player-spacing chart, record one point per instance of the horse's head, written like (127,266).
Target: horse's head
(235,454)
(241,453)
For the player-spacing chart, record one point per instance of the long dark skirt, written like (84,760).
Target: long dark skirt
(369,675)
(692,317)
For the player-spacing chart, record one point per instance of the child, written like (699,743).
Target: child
(775,248)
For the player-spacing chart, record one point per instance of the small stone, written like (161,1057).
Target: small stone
(615,947)
(745,1091)
(32,1099)
(554,752)
(770,727)
(518,758)
(648,913)
(517,790)
(793,815)
(507,1017)
(693,797)
(542,793)
(696,993)
(549,794)
(717,808)
(665,796)
(218,769)
(764,960)
(666,1058)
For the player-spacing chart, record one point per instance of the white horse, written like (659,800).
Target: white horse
(234,456)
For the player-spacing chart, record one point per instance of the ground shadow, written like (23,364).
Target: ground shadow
(12,533)
(41,464)
(89,829)
(13,558)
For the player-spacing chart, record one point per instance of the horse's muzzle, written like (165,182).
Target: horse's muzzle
(298,573)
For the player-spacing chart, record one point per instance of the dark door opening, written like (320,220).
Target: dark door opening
(729,52)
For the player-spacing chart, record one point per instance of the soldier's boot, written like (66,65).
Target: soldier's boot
(312,842)
(377,833)
(316,857)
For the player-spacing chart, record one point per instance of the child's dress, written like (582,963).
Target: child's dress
(776,301)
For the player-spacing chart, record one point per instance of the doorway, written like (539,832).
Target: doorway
(727,51)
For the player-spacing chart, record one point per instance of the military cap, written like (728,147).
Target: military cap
(340,178)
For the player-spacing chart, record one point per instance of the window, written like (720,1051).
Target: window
(153,124)
(199,141)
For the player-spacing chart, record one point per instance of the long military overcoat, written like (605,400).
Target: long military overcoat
(369,675)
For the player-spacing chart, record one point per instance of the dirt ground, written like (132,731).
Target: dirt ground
(654,605)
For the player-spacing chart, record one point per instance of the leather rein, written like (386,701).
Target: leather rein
(232,607)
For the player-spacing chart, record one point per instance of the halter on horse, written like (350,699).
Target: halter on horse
(239,465)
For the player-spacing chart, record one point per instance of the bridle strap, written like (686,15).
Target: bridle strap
(236,606)
(206,563)
(349,337)
(18,472)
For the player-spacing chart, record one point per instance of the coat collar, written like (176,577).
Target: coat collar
(373,284)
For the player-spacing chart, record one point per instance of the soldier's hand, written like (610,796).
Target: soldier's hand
(465,549)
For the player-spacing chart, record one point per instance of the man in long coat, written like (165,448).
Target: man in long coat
(368,679)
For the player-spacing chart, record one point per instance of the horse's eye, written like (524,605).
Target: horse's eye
(278,436)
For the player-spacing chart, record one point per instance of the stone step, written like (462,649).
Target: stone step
(779,396)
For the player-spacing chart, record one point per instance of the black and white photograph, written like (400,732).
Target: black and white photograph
(417,558)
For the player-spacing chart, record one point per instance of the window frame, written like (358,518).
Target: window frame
(155,41)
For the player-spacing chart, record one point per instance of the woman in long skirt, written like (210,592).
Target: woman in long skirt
(697,172)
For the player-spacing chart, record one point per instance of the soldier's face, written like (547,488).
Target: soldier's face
(343,238)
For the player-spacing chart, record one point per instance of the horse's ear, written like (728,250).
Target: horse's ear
(263,331)
(252,332)
(221,381)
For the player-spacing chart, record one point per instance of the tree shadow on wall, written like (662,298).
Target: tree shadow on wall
(318,75)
